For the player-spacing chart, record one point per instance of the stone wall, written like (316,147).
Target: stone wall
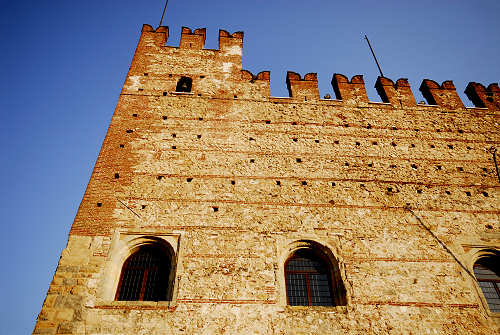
(405,196)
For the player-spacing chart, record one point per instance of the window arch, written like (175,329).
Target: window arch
(312,280)
(146,275)
(487,272)
(184,84)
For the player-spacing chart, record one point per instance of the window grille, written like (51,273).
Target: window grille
(145,276)
(487,273)
(308,279)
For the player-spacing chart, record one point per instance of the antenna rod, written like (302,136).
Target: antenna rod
(162,15)
(375,57)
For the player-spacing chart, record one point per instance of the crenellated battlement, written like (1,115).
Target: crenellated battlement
(484,97)
(193,39)
(352,92)
(225,64)
(302,88)
(398,94)
(444,95)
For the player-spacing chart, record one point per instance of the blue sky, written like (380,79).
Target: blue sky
(64,62)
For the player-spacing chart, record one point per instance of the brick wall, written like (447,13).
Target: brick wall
(239,176)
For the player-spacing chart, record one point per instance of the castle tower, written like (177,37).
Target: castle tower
(214,208)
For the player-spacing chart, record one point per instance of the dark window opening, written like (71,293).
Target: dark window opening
(312,281)
(487,272)
(145,276)
(184,85)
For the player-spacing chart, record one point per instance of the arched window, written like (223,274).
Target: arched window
(487,272)
(184,84)
(311,281)
(145,275)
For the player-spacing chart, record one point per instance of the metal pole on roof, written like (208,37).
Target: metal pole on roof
(375,57)
(162,15)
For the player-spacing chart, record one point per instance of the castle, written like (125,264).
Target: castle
(214,208)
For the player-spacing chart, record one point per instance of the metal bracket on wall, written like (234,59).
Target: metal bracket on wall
(493,151)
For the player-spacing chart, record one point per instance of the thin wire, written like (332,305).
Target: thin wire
(375,57)
(407,207)
(162,15)
(130,209)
